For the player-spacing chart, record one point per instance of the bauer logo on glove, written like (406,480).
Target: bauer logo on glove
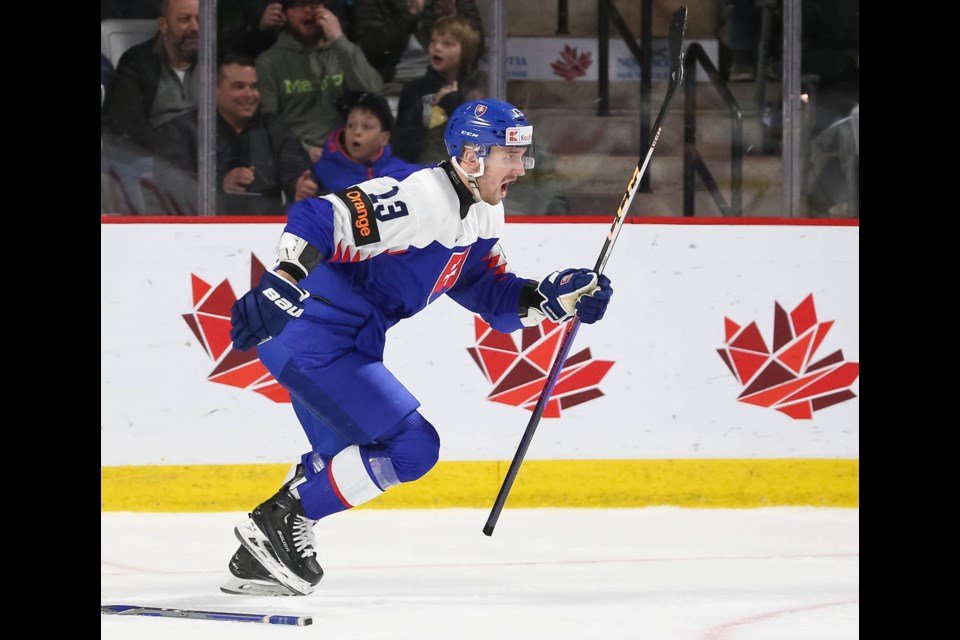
(292,309)
(263,312)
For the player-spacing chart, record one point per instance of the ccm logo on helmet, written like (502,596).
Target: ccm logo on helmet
(362,218)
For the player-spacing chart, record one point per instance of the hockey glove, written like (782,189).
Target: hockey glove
(561,291)
(593,305)
(264,311)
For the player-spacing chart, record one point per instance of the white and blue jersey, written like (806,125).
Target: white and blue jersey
(389,248)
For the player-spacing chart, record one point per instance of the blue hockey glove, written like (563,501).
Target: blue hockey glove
(264,311)
(592,306)
(561,291)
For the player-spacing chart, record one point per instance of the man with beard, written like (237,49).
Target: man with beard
(155,82)
(261,166)
(310,66)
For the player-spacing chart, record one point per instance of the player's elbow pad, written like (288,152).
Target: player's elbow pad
(297,256)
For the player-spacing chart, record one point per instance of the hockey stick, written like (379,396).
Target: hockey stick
(134,610)
(678,24)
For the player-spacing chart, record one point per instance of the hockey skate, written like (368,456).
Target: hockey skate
(279,536)
(250,578)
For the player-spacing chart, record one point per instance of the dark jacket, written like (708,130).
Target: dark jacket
(413,137)
(126,108)
(267,144)
(382,29)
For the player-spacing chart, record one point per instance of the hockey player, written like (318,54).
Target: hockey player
(351,265)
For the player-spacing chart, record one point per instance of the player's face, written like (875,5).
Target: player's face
(180,27)
(363,137)
(502,167)
(237,94)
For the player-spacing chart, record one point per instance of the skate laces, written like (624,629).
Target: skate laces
(303,539)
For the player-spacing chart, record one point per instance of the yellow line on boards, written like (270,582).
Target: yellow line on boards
(723,483)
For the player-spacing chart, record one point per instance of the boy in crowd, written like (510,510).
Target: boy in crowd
(360,150)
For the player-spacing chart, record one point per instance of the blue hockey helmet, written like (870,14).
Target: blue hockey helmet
(488,123)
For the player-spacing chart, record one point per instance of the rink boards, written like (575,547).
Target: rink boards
(653,414)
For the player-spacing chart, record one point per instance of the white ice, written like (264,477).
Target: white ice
(652,574)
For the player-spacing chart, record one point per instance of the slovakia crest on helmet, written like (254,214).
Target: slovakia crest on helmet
(480,110)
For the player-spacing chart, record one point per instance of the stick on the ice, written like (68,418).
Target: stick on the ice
(193,614)
(678,25)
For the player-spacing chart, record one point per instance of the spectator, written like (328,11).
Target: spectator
(383,28)
(433,10)
(251,26)
(260,163)
(310,66)
(427,102)
(155,81)
(831,57)
(831,53)
(360,150)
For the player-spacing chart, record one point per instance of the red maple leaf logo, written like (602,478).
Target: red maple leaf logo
(210,323)
(786,378)
(570,65)
(520,372)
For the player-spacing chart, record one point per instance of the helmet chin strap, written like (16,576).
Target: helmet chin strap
(472,177)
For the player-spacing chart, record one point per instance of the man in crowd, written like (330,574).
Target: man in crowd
(155,81)
(309,67)
(261,166)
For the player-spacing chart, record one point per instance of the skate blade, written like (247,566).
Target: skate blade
(258,544)
(242,587)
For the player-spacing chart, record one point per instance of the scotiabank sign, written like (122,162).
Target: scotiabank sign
(576,59)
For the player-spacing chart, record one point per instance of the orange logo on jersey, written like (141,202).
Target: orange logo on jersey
(364,222)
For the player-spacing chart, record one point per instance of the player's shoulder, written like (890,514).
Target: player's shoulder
(425,185)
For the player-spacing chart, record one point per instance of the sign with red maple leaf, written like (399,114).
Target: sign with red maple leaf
(519,372)
(786,377)
(572,65)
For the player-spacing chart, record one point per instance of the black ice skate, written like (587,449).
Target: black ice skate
(280,536)
(250,578)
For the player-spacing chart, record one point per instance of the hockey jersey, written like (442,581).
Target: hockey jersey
(391,247)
